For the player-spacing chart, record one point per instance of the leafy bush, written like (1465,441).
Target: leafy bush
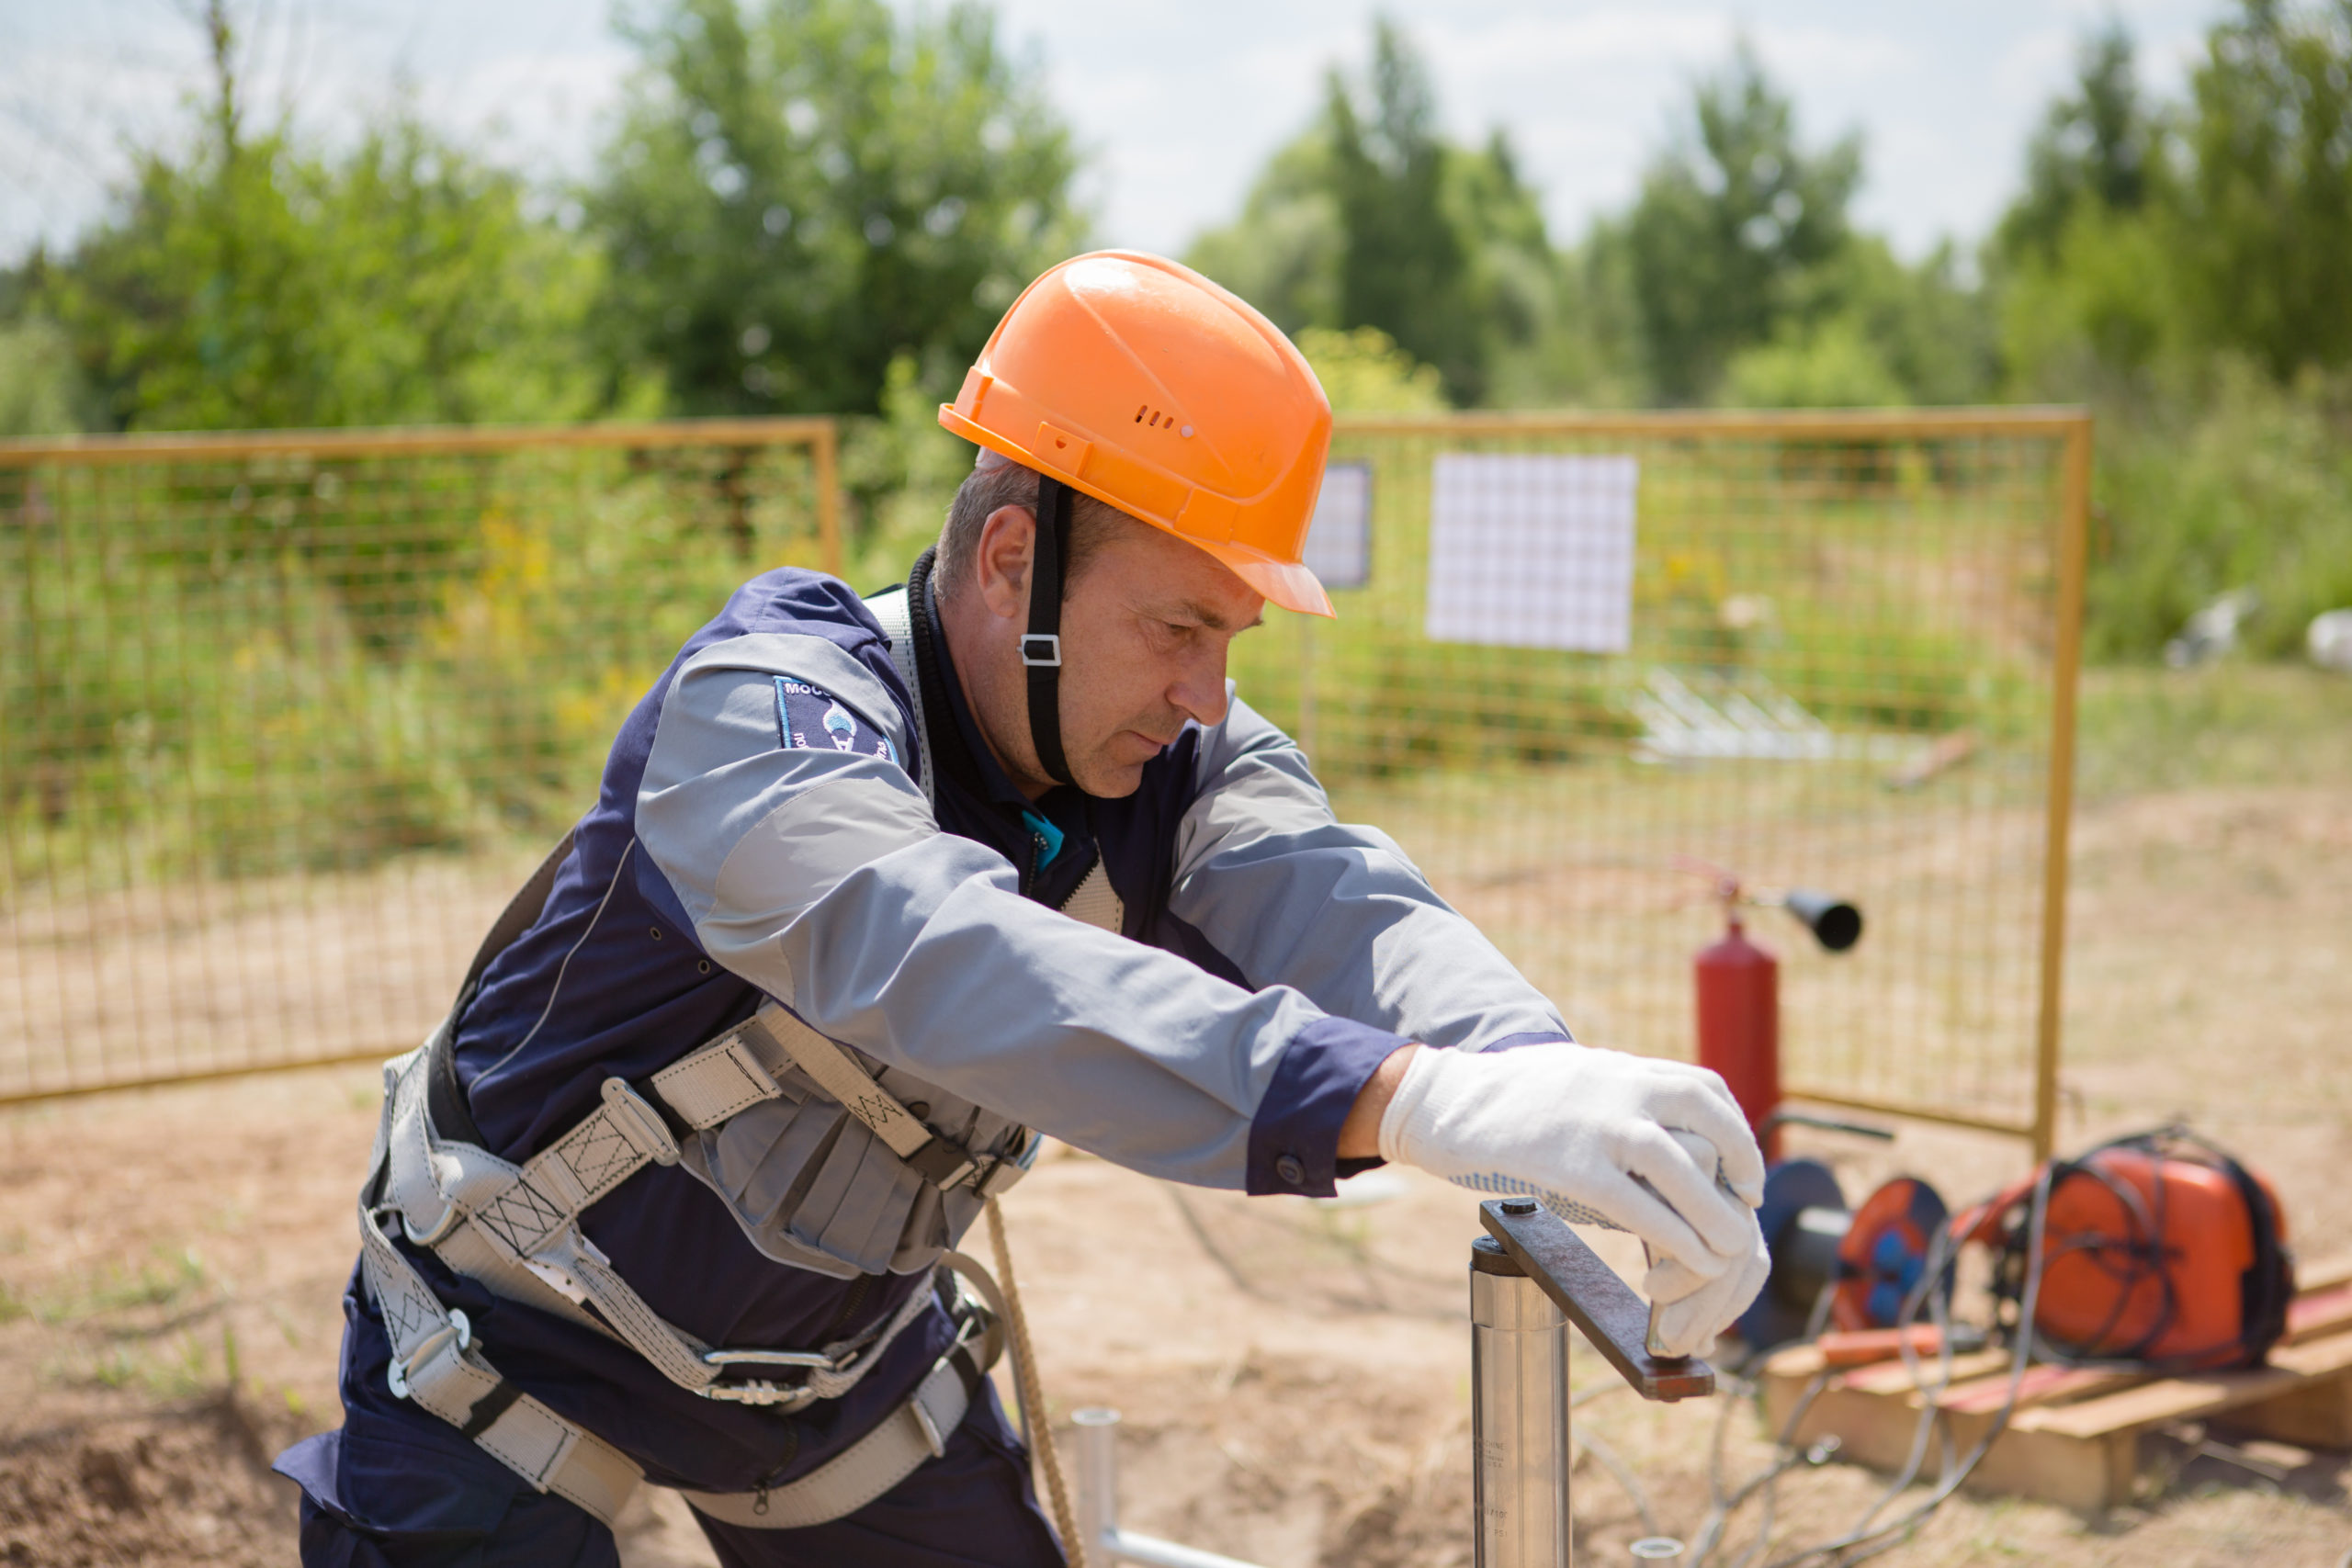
(2240,483)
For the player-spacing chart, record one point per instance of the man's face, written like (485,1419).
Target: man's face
(1146,627)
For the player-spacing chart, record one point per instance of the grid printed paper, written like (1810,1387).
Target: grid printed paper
(1531,551)
(1339,542)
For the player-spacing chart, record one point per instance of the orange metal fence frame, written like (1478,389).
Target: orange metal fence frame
(188,890)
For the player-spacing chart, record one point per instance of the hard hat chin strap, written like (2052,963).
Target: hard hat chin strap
(1041,648)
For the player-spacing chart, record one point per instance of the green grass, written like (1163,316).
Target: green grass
(2229,725)
(165,1277)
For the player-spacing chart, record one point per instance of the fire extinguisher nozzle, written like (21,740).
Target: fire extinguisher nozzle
(1835,923)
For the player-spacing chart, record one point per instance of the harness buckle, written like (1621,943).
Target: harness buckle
(931,1434)
(639,1123)
(396,1371)
(816,1359)
(1011,1165)
(762,1393)
(1042,649)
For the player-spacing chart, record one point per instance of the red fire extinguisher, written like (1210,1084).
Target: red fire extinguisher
(1739,1024)
(1739,989)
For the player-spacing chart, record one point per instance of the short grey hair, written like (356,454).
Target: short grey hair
(1001,484)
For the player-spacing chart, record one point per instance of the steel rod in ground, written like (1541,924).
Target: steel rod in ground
(1098,1505)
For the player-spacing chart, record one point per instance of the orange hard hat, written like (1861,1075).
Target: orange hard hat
(1143,384)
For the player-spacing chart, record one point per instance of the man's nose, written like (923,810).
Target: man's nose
(1199,692)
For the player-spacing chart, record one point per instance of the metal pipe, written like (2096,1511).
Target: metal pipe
(1098,1505)
(1519,1415)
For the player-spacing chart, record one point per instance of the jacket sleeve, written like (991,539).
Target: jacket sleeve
(819,876)
(1294,897)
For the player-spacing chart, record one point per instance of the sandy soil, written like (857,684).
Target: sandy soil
(1294,1376)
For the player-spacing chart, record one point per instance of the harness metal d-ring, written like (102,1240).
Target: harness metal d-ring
(396,1369)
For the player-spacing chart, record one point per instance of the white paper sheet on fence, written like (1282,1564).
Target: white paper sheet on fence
(1339,542)
(1531,551)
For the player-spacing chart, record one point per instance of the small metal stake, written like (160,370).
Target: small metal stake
(1098,1505)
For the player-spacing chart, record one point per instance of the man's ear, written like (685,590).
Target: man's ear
(1001,564)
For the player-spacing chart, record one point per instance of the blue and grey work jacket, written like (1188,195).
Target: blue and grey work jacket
(774,823)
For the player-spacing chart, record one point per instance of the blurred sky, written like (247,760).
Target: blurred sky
(1176,104)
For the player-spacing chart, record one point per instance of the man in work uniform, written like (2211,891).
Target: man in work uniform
(876,894)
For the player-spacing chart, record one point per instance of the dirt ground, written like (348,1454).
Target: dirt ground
(1293,1375)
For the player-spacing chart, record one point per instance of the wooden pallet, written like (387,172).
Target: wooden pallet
(2075,1438)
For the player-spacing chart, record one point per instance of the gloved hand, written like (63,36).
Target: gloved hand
(1587,1132)
(1690,1310)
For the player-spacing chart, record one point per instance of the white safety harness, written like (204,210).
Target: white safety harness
(515,1230)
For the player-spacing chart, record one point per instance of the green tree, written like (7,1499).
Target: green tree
(2083,262)
(2098,147)
(1370,219)
(1732,230)
(41,393)
(1404,264)
(1283,254)
(800,194)
(2264,217)
(254,286)
(250,281)
(1363,371)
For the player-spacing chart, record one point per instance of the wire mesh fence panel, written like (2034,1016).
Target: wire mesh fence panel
(283,719)
(1590,658)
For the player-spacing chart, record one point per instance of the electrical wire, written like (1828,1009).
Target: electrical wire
(1869,1538)
(1606,1456)
(1857,1545)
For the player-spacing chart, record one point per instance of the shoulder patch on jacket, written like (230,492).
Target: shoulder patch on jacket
(811,718)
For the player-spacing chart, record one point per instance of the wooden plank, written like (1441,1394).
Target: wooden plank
(2314,1416)
(2073,1438)
(2195,1397)
(2318,1276)
(2086,1474)
(2317,1313)
(2043,1384)
(1895,1378)
(2083,1474)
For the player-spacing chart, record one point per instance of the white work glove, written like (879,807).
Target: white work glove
(1591,1132)
(1690,1310)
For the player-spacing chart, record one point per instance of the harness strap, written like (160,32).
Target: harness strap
(915,1432)
(894,610)
(938,1159)
(516,1228)
(437,1362)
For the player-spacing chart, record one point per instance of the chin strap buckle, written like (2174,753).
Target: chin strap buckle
(1042,650)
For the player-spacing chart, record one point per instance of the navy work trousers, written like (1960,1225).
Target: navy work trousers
(403,1490)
